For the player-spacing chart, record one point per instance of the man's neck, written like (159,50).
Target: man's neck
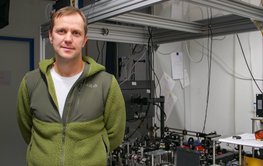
(68,69)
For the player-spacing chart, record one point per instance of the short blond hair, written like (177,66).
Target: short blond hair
(65,11)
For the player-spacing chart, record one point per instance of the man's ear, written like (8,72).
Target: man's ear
(85,41)
(50,37)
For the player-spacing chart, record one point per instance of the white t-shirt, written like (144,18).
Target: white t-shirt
(62,87)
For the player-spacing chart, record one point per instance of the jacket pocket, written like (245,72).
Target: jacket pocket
(29,148)
(106,143)
(28,151)
(92,151)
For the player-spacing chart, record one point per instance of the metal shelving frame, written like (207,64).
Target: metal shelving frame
(116,21)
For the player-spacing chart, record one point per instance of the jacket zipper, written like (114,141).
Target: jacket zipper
(65,119)
(63,143)
(63,138)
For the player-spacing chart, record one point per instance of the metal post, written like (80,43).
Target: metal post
(214,152)
(152,160)
(162,117)
(240,154)
(253,130)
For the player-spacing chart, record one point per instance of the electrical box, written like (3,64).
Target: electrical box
(136,94)
(259,105)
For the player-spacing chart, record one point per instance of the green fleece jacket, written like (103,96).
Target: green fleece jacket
(92,124)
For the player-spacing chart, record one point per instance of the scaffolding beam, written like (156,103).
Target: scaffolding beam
(224,25)
(118,33)
(236,7)
(158,22)
(104,9)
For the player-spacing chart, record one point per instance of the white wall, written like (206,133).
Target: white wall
(231,99)
(25,18)
(179,117)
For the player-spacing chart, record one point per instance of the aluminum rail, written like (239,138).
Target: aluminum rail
(118,33)
(104,9)
(236,7)
(224,25)
(158,22)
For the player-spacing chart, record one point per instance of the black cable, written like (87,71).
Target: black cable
(150,50)
(142,120)
(137,52)
(100,50)
(149,53)
(150,42)
(134,48)
(155,75)
(210,36)
(243,53)
(132,77)
(161,111)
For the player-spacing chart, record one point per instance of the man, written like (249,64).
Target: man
(70,111)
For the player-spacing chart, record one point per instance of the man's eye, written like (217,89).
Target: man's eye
(61,31)
(76,33)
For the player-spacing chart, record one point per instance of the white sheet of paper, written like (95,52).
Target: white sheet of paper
(169,104)
(167,84)
(177,65)
(185,80)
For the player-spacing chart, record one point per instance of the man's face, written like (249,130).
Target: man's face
(68,37)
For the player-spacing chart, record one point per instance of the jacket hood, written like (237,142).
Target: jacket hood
(93,68)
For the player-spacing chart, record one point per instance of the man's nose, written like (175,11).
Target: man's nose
(68,37)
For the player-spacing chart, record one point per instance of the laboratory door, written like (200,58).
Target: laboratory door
(14,63)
